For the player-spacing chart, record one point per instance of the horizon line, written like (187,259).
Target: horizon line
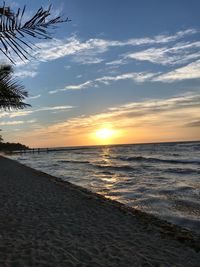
(122,144)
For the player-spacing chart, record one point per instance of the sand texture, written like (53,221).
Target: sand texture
(44,222)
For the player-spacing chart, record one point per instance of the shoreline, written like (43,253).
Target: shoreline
(184,235)
(166,235)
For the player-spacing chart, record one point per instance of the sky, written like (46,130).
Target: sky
(129,67)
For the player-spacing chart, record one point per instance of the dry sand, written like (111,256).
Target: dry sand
(45,222)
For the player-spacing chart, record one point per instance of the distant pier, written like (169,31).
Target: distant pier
(47,150)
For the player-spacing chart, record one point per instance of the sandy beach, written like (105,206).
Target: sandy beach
(47,222)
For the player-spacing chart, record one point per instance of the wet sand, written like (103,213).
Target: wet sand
(47,222)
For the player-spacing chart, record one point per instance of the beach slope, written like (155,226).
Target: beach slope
(47,222)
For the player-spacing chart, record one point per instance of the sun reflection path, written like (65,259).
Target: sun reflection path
(106,155)
(108,177)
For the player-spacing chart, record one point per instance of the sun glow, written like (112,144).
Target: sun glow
(104,134)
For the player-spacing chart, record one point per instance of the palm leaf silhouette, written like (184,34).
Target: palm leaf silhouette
(12,93)
(13,30)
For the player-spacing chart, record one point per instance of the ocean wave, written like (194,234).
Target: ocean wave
(74,161)
(156,160)
(107,173)
(182,171)
(196,147)
(113,167)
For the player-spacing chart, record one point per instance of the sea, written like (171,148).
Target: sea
(162,179)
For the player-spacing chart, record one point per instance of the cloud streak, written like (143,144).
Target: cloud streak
(25,73)
(190,71)
(106,80)
(14,123)
(14,114)
(34,97)
(181,53)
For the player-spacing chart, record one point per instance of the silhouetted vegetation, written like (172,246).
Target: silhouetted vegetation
(12,93)
(13,31)
(12,146)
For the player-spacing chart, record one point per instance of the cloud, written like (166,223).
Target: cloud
(70,47)
(179,54)
(190,71)
(10,123)
(73,87)
(195,124)
(117,62)
(87,60)
(78,86)
(14,114)
(53,108)
(33,97)
(134,76)
(14,123)
(25,73)
(67,67)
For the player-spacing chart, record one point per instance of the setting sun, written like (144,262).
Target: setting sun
(104,134)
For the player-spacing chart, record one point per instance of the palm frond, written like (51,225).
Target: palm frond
(13,30)
(6,11)
(12,94)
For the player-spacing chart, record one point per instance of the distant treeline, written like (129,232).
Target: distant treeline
(12,146)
